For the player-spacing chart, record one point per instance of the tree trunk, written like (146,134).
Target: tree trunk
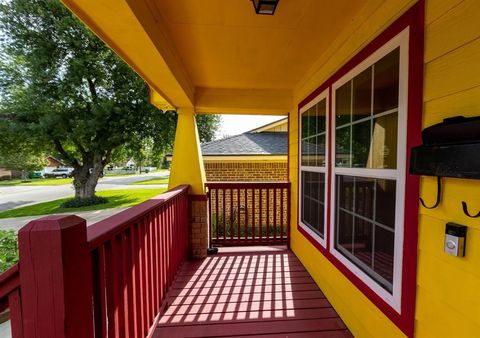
(85,180)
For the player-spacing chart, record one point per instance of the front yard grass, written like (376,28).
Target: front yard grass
(163,180)
(116,199)
(38,181)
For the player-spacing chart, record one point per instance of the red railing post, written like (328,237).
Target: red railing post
(56,278)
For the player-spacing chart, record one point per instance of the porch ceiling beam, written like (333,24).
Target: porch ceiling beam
(143,43)
(243,101)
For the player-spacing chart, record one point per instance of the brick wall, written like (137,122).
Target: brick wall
(246,171)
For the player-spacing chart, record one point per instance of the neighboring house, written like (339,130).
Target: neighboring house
(52,163)
(6,174)
(257,155)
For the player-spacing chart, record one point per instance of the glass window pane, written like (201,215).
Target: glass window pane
(342,147)
(344,233)
(362,243)
(345,186)
(343,104)
(304,153)
(312,151)
(312,121)
(305,124)
(364,196)
(383,255)
(384,142)
(361,144)
(320,148)
(305,194)
(312,200)
(386,81)
(321,116)
(385,202)
(362,95)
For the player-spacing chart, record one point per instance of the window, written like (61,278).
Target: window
(313,150)
(367,174)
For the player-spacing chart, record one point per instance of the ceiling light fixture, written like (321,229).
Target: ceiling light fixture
(265,7)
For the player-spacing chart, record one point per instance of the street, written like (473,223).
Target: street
(16,196)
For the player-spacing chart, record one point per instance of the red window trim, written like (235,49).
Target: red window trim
(413,18)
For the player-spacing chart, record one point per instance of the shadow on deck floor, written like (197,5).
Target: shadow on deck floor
(254,292)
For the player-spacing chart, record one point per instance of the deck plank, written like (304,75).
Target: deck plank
(251,294)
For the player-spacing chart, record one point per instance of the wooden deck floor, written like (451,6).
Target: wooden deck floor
(256,294)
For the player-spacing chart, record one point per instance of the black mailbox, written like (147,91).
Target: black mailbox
(449,149)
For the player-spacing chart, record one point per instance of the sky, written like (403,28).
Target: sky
(237,124)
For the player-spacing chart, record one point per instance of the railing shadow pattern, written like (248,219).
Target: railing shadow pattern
(260,293)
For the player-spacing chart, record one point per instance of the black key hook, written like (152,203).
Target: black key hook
(465,211)
(439,195)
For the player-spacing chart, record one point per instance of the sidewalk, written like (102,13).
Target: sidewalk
(90,216)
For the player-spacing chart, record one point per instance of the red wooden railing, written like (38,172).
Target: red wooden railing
(249,213)
(105,281)
(10,299)
(135,255)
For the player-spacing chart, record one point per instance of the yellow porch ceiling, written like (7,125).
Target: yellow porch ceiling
(224,44)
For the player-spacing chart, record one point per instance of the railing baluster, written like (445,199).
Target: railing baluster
(217,218)
(268,215)
(210,215)
(253,216)
(128,287)
(231,215)
(223,213)
(137,303)
(281,215)
(238,215)
(156,255)
(16,317)
(275,225)
(151,295)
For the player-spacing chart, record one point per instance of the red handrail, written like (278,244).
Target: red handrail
(135,255)
(249,213)
(10,298)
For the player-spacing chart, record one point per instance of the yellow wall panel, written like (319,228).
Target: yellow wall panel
(454,72)
(438,320)
(451,31)
(465,103)
(463,298)
(438,8)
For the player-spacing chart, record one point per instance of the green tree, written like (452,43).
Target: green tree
(62,89)
(207,126)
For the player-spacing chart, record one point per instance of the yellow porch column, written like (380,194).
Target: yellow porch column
(187,162)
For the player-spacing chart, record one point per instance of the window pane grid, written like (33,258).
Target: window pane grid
(362,105)
(358,227)
(313,201)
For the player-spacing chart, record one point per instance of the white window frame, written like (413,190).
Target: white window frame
(394,298)
(323,95)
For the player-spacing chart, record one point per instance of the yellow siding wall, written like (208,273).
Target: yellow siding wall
(448,288)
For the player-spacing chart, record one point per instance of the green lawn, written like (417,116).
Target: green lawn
(116,199)
(152,181)
(38,181)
